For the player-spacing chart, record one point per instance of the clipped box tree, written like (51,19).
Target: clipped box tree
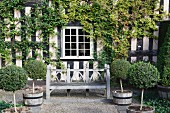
(143,75)
(36,70)
(119,69)
(13,78)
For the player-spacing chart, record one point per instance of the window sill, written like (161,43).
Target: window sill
(74,57)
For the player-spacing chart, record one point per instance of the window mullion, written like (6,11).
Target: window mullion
(63,44)
(70,43)
(77,43)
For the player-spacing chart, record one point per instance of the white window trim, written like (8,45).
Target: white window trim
(63,45)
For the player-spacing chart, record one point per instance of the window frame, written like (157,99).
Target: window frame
(77,49)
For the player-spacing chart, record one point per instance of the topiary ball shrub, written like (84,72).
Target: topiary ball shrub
(143,75)
(119,68)
(12,78)
(36,69)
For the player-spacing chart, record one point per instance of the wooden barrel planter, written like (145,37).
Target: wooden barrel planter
(33,99)
(136,109)
(122,98)
(19,110)
(164,92)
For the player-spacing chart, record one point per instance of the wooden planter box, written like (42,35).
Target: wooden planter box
(33,99)
(122,98)
(164,92)
(136,109)
(19,110)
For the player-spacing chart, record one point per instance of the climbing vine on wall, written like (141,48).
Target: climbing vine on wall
(43,17)
(114,22)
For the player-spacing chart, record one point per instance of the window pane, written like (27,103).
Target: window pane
(81,45)
(80,32)
(67,31)
(73,52)
(87,33)
(87,39)
(73,45)
(81,52)
(67,45)
(73,38)
(73,31)
(81,39)
(67,53)
(87,45)
(67,38)
(87,52)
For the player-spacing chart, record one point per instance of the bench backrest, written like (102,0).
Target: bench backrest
(78,75)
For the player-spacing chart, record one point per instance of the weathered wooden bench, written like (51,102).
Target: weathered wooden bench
(78,79)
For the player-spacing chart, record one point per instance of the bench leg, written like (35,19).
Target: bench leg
(108,92)
(68,92)
(87,92)
(105,93)
(47,94)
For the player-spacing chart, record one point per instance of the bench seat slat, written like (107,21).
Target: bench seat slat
(78,86)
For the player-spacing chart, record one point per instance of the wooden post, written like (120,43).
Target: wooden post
(87,92)
(108,81)
(105,68)
(68,92)
(68,73)
(105,74)
(87,79)
(87,74)
(68,79)
(48,79)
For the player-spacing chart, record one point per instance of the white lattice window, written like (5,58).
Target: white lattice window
(76,44)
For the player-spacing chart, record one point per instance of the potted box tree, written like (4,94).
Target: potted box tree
(13,78)
(119,69)
(142,75)
(36,70)
(164,67)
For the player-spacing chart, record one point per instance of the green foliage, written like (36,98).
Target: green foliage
(12,78)
(163,62)
(161,105)
(119,68)
(36,69)
(105,56)
(42,18)
(4,105)
(165,78)
(114,23)
(143,75)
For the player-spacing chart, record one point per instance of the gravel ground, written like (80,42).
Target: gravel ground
(76,103)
